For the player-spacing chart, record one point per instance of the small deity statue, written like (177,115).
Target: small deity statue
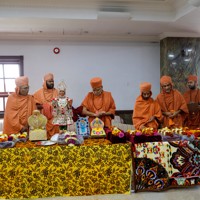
(37,123)
(97,128)
(82,127)
(37,120)
(62,108)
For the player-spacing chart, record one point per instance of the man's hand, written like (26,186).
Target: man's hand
(101,113)
(24,129)
(167,114)
(151,119)
(175,114)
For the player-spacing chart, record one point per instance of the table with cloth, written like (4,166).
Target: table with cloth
(95,167)
(163,165)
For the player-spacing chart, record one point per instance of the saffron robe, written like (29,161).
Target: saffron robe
(103,102)
(193,119)
(44,96)
(18,109)
(171,102)
(143,111)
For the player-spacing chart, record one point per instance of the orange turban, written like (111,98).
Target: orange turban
(96,82)
(165,79)
(22,80)
(145,87)
(48,77)
(192,78)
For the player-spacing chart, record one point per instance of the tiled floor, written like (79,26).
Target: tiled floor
(191,193)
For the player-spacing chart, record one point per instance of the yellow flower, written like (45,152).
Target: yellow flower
(115,131)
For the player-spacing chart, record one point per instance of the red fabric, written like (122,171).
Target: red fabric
(135,139)
(114,138)
(77,112)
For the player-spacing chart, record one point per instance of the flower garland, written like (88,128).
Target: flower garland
(117,132)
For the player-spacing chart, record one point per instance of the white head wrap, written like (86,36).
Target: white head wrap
(62,86)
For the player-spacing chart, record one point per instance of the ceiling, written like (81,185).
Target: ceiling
(99,20)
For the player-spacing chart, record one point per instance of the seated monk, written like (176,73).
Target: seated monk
(99,103)
(192,98)
(147,112)
(172,103)
(43,98)
(19,108)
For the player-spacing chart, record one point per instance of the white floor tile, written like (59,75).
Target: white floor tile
(190,193)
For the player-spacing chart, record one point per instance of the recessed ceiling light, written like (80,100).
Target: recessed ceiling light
(171,55)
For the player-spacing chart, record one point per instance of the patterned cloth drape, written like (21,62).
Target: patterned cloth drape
(35,172)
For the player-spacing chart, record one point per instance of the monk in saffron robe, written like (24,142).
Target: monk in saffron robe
(172,103)
(19,107)
(147,112)
(43,98)
(192,98)
(99,103)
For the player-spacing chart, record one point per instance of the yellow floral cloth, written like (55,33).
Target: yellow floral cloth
(35,172)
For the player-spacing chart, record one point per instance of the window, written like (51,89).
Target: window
(11,67)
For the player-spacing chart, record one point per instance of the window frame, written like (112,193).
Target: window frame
(11,60)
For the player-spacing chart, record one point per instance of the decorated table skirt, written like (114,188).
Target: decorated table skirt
(35,172)
(161,165)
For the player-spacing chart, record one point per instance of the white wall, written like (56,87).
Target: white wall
(123,66)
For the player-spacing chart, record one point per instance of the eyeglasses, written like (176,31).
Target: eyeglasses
(24,88)
(97,89)
(165,86)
